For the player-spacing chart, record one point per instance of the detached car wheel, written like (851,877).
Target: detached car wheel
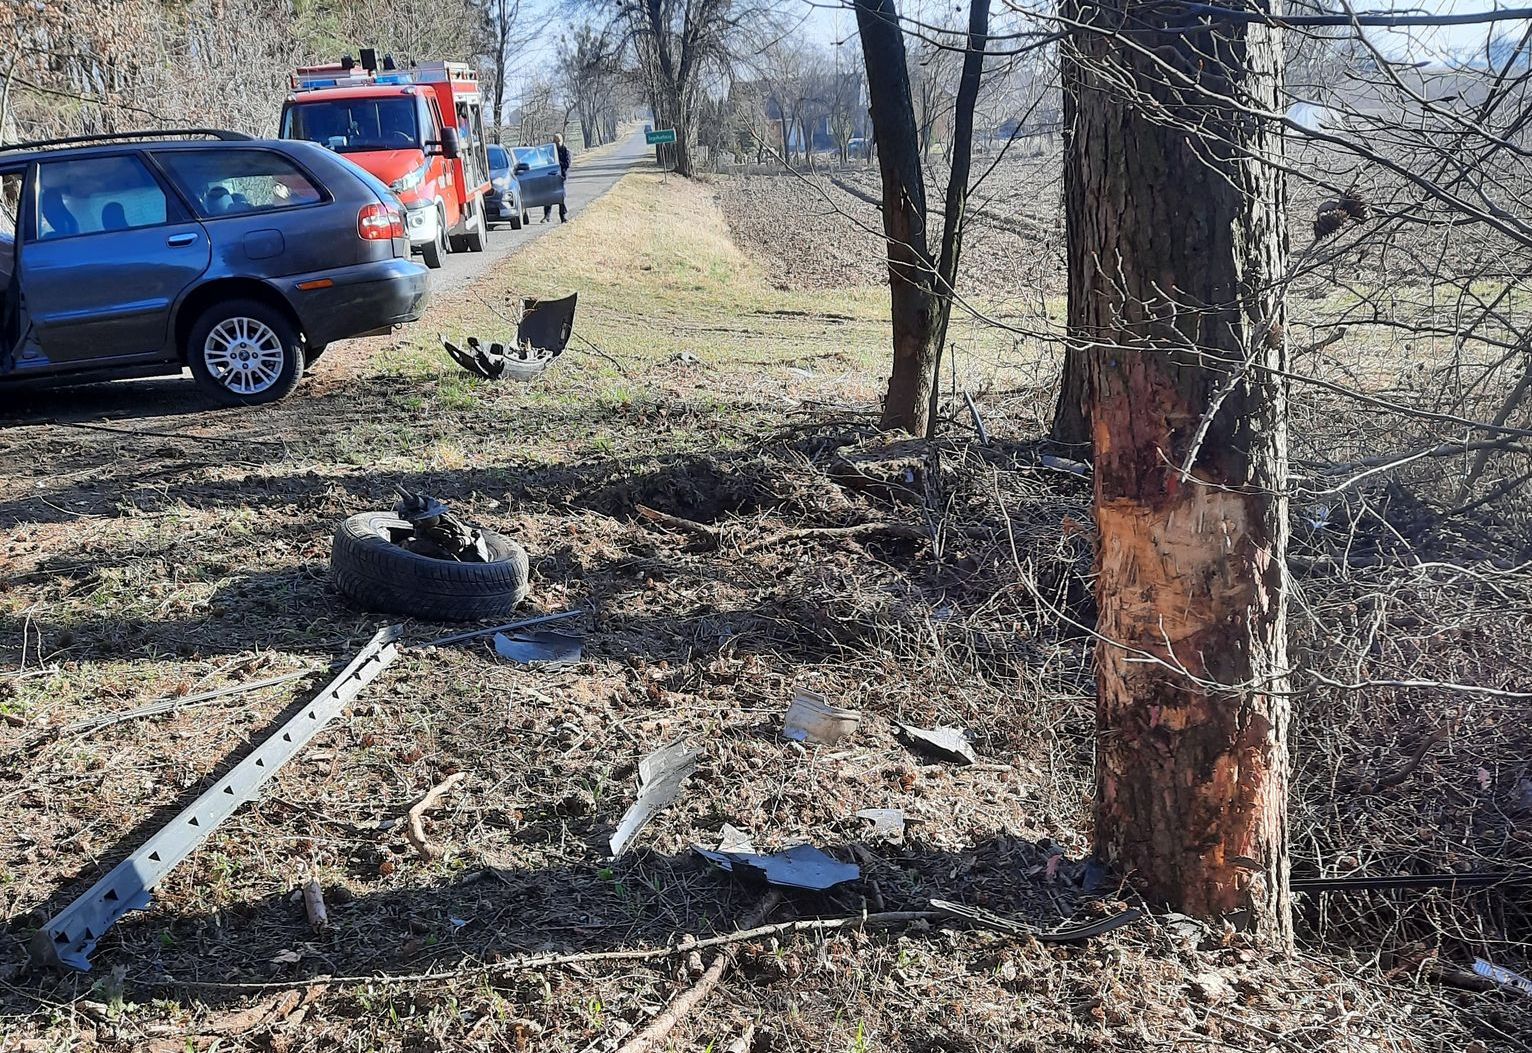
(370,567)
(245,352)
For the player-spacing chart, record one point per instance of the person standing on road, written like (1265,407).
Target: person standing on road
(563,151)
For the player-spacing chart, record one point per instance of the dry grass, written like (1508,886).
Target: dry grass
(161,566)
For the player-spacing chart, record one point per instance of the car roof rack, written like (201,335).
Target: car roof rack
(167,133)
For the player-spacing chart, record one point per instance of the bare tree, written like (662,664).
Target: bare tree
(921,286)
(591,79)
(679,46)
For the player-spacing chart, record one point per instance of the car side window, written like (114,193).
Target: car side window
(93,195)
(238,182)
(10,205)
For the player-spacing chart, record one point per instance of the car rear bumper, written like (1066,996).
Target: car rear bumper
(360,299)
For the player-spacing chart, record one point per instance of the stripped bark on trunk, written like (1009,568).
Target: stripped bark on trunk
(1176,250)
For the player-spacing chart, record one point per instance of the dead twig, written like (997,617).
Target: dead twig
(856,530)
(888,919)
(665,1023)
(414,830)
(1409,767)
(709,534)
(313,904)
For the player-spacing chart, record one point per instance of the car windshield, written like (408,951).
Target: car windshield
(498,158)
(535,156)
(348,125)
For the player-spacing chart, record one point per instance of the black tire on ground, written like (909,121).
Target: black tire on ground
(380,576)
(478,231)
(246,316)
(434,254)
(516,221)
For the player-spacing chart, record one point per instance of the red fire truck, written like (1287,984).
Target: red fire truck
(420,130)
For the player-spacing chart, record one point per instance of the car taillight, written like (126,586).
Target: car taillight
(379,223)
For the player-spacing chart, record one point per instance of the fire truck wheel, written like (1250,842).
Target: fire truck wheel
(245,352)
(477,234)
(435,253)
(369,566)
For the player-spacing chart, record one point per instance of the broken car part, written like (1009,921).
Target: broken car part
(947,743)
(985,919)
(887,824)
(541,336)
(810,718)
(474,634)
(372,562)
(438,533)
(802,866)
(543,649)
(69,936)
(1502,976)
(660,776)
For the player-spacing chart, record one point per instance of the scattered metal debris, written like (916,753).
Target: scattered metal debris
(69,936)
(985,919)
(947,743)
(545,649)
(541,336)
(1064,464)
(887,824)
(978,421)
(437,532)
(660,776)
(1501,975)
(802,866)
(474,634)
(811,718)
(732,839)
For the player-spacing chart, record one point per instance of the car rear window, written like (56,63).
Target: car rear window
(238,182)
(92,195)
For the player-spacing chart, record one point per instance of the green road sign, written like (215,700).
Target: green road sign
(663,135)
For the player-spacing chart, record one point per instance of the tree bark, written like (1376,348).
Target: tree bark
(912,297)
(1177,250)
(955,214)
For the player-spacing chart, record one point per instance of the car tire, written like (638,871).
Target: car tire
(434,254)
(378,575)
(226,333)
(516,221)
(478,234)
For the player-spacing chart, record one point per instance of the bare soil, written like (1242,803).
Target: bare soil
(142,566)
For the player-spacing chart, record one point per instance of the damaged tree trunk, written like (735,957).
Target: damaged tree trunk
(1178,247)
(911,270)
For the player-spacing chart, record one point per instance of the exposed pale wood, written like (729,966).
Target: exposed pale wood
(1176,254)
(414,830)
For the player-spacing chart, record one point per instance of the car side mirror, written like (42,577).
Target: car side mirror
(522,166)
(448,145)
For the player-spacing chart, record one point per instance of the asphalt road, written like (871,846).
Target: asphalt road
(588,180)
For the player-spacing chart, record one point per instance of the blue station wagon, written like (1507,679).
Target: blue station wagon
(142,253)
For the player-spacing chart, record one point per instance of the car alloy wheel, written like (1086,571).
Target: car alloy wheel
(244,355)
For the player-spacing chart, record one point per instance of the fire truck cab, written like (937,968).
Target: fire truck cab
(420,130)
